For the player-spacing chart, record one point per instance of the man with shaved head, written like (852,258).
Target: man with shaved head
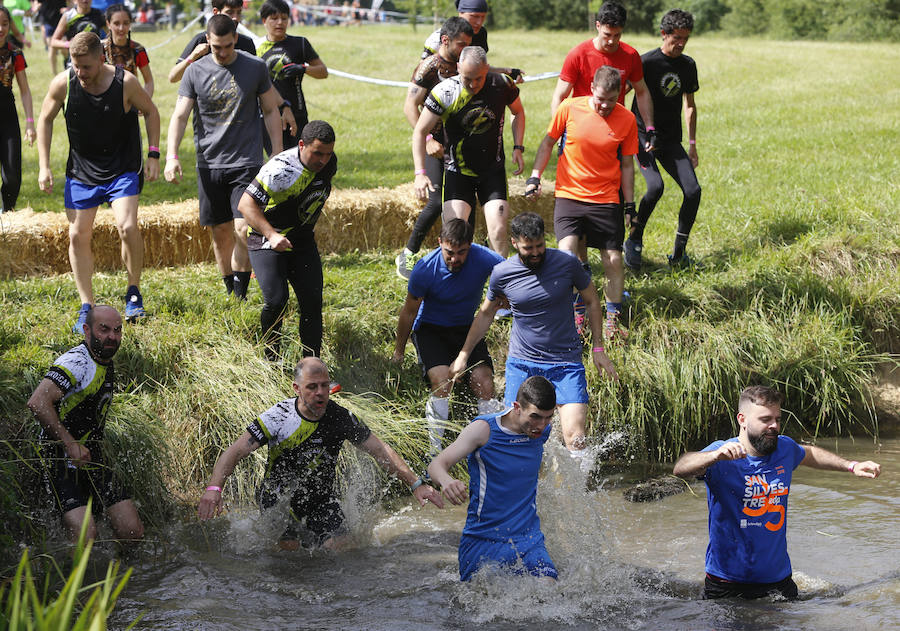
(305,435)
(71,403)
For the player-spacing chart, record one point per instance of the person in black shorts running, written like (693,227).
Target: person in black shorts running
(671,77)
(222,90)
(12,65)
(443,293)
(281,205)
(71,403)
(104,162)
(472,106)
(456,34)
(305,435)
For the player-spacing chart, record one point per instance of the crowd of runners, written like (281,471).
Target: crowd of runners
(246,100)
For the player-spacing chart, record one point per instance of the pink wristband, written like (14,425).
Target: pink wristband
(692,142)
(852,465)
(29,120)
(420,171)
(172,156)
(152,148)
(429,137)
(214,488)
(598,349)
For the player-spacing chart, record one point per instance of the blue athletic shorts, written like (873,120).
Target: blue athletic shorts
(524,554)
(567,377)
(80,196)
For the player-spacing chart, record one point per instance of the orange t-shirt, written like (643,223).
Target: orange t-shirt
(589,168)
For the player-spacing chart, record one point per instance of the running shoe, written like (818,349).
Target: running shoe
(78,327)
(633,254)
(134,306)
(683,261)
(613,330)
(405,262)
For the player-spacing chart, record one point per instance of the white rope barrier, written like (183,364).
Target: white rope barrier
(186,27)
(404,84)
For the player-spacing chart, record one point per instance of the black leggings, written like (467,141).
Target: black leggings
(434,169)
(10,156)
(676,162)
(302,268)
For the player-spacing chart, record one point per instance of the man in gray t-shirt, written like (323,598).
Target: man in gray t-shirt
(538,284)
(225,90)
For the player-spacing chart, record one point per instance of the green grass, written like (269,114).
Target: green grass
(798,285)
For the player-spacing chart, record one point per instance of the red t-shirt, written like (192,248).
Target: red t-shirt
(589,169)
(582,62)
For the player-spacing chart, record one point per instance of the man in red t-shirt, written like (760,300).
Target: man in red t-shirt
(596,163)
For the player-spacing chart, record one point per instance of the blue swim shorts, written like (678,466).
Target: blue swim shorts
(523,554)
(567,377)
(79,196)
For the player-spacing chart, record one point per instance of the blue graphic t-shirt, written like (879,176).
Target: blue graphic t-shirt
(543,329)
(450,298)
(748,501)
(503,476)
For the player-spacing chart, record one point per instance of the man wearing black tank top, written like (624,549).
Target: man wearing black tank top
(104,164)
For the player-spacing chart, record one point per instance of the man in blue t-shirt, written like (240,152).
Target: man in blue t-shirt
(504,452)
(538,284)
(444,290)
(748,480)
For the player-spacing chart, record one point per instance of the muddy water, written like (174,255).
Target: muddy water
(622,565)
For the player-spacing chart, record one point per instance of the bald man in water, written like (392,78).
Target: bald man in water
(305,435)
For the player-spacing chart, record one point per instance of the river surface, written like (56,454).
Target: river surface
(622,565)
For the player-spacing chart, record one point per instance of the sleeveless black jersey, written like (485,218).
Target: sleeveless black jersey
(87,391)
(668,79)
(104,139)
(473,123)
(291,50)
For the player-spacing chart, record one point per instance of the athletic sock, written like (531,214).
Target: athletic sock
(613,307)
(437,409)
(681,240)
(131,291)
(241,284)
(229,284)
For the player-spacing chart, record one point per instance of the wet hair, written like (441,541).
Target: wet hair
(317,130)
(760,395)
(537,391)
(676,19)
(303,363)
(220,25)
(527,226)
(218,5)
(112,9)
(456,26)
(273,7)
(457,231)
(612,14)
(85,43)
(474,54)
(608,79)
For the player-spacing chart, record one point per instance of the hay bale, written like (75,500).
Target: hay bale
(375,219)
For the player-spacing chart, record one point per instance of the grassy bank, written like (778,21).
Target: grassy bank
(798,285)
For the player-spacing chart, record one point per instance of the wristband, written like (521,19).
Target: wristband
(650,128)
(852,466)
(598,349)
(419,482)
(29,120)
(172,156)
(152,148)
(214,488)
(420,171)
(429,137)
(519,147)
(153,155)
(692,142)
(190,61)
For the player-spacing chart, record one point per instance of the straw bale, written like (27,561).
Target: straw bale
(375,219)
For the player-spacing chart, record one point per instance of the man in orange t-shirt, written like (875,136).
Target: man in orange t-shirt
(601,138)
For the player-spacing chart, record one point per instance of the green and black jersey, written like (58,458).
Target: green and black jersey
(473,123)
(290,195)
(87,390)
(302,451)
(92,22)
(291,50)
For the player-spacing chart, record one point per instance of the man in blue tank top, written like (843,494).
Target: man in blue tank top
(100,105)
(504,452)
(748,480)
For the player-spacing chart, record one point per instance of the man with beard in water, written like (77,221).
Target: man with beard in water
(71,403)
(305,435)
(748,479)
(538,284)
